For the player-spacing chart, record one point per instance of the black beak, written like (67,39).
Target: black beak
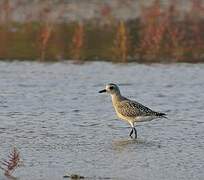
(102,91)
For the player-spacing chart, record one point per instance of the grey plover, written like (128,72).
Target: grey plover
(129,110)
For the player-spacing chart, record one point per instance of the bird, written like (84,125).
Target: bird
(129,110)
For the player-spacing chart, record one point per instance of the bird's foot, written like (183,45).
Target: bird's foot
(135,132)
(131,132)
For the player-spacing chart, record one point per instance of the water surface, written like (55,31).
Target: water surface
(54,115)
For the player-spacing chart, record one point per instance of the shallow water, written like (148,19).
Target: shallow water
(54,115)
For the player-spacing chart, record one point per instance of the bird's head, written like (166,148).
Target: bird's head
(111,89)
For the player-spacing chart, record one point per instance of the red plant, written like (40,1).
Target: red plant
(7,9)
(44,38)
(106,10)
(10,164)
(153,28)
(48,22)
(78,41)
(164,32)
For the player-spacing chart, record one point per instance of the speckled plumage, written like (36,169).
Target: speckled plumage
(129,110)
(133,109)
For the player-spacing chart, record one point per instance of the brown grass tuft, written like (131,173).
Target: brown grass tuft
(9,165)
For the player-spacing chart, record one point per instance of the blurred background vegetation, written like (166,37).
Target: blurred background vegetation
(116,30)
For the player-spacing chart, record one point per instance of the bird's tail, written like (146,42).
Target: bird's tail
(161,115)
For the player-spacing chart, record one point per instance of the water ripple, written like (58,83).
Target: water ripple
(54,115)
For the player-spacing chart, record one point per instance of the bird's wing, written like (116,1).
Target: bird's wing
(130,108)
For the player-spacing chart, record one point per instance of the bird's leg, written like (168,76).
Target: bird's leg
(135,132)
(131,133)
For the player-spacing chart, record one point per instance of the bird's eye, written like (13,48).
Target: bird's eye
(111,88)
